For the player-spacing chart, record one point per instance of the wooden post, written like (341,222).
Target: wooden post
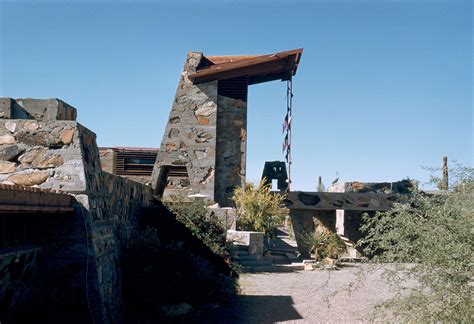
(445,173)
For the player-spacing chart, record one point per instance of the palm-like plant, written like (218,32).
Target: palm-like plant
(258,209)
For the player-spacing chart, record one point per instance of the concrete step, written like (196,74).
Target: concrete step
(292,257)
(275,268)
(282,250)
(240,253)
(279,243)
(237,247)
(280,259)
(255,263)
(243,258)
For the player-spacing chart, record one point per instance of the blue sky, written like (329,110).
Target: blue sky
(383,87)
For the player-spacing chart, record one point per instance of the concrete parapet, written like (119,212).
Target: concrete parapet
(38,109)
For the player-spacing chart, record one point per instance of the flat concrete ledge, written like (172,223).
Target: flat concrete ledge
(368,201)
(38,109)
(252,240)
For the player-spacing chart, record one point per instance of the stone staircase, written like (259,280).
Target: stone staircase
(280,256)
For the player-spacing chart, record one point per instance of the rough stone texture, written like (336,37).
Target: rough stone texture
(62,154)
(31,125)
(40,158)
(402,187)
(128,197)
(28,179)
(38,109)
(190,137)
(230,149)
(206,132)
(66,136)
(340,200)
(227,216)
(7,167)
(107,159)
(62,163)
(11,126)
(7,139)
(10,152)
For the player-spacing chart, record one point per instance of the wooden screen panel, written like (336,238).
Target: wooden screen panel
(139,163)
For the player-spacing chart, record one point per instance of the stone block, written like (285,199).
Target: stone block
(7,139)
(39,109)
(226,215)
(252,240)
(7,167)
(41,158)
(29,179)
(10,152)
(11,126)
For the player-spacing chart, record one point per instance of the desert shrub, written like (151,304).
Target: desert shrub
(258,209)
(324,245)
(157,272)
(433,233)
(202,223)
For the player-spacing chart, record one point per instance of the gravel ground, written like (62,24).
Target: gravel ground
(304,297)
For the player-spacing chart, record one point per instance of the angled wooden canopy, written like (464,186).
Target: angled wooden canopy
(258,68)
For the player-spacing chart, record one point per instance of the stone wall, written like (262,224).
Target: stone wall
(231,148)
(189,139)
(63,155)
(42,154)
(129,196)
(107,159)
(206,133)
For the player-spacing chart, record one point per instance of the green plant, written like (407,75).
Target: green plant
(204,224)
(258,209)
(429,239)
(324,245)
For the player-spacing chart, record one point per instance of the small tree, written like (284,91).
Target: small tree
(429,239)
(258,209)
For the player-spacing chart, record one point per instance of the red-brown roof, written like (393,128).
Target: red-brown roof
(258,68)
